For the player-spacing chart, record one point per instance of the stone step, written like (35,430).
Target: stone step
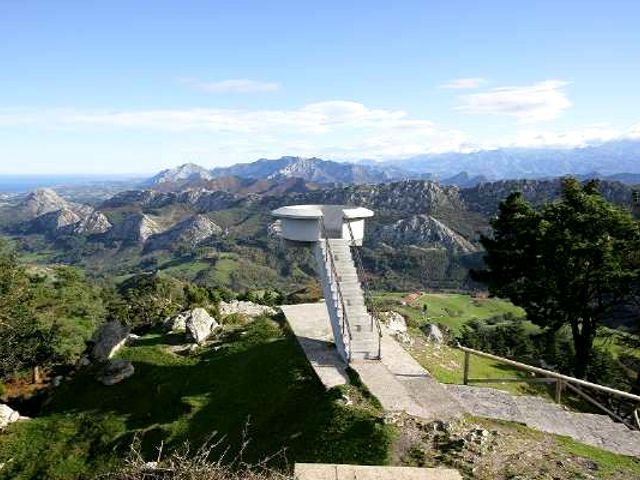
(313,471)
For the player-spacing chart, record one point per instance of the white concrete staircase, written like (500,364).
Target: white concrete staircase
(356,335)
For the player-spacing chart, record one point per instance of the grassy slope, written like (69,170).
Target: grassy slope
(258,378)
(452,310)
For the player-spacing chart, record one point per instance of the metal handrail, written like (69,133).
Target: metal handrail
(570,382)
(367,292)
(334,274)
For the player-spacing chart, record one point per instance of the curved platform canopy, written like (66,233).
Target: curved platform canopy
(310,223)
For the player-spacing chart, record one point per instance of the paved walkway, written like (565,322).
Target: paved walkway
(596,430)
(397,381)
(310,325)
(327,471)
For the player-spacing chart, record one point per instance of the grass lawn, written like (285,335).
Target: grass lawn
(446,365)
(450,309)
(256,379)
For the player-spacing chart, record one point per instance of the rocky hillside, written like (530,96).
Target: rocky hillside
(189,233)
(423,234)
(188,172)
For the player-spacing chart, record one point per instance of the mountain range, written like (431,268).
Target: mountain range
(616,160)
(423,235)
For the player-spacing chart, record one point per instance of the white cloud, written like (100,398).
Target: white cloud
(579,137)
(239,85)
(336,128)
(541,101)
(464,83)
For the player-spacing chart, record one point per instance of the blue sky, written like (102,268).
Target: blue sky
(121,86)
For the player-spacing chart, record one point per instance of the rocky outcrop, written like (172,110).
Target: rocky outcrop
(93,224)
(433,333)
(115,371)
(134,228)
(55,221)
(189,172)
(40,202)
(200,325)
(190,232)
(8,415)
(394,322)
(107,340)
(177,323)
(424,230)
(248,309)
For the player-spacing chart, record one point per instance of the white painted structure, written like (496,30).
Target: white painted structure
(331,230)
(302,223)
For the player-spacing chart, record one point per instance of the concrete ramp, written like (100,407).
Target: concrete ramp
(328,471)
(312,328)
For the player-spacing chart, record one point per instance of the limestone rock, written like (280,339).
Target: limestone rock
(134,228)
(200,325)
(56,221)
(115,371)
(433,333)
(7,415)
(191,232)
(394,321)
(108,339)
(425,230)
(242,307)
(177,323)
(94,223)
(42,201)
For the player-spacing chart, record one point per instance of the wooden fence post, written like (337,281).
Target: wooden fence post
(466,368)
(558,390)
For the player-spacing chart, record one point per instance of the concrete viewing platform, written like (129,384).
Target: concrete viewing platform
(328,471)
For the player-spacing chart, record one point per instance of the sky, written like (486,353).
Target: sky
(133,87)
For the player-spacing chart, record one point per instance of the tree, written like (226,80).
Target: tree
(567,263)
(24,341)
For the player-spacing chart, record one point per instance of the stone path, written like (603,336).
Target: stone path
(596,430)
(310,325)
(327,471)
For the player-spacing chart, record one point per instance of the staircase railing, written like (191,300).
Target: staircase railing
(561,381)
(344,325)
(368,298)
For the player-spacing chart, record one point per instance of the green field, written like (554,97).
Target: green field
(255,379)
(450,309)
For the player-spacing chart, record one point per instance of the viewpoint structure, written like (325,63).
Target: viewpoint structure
(331,231)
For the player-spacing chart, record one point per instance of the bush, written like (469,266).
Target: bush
(181,465)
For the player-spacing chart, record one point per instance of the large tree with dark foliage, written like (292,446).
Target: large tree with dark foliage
(567,263)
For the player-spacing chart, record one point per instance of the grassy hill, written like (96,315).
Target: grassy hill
(254,380)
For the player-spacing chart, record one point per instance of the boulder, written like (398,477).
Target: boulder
(107,340)
(200,325)
(395,322)
(115,371)
(177,323)
(8,415)
(433,333)
(242,307)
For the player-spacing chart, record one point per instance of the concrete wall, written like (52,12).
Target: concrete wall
(301,230)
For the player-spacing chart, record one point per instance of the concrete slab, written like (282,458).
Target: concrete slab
(320,471)
(310,324)
(398,380)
